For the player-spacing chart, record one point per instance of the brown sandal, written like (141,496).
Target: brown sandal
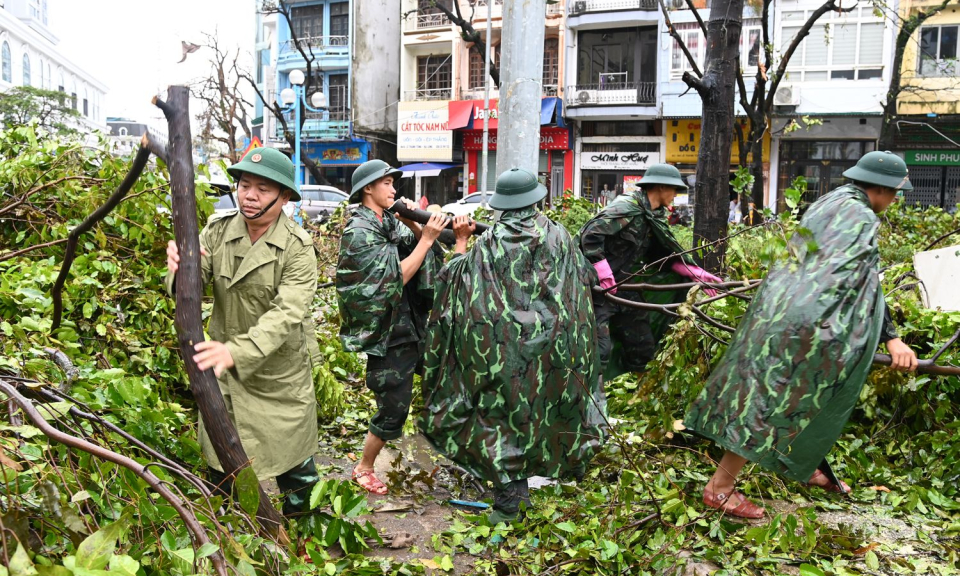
(745,509)
(828,485)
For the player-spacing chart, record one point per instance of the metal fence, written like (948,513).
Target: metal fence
(422,21)
(318,42)
(428,94)
(607,93)
(575,7)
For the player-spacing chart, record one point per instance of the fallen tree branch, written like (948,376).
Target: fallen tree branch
(139,163)
(941,238)
(10,255)
(923,366)
(189,520)
(70,371)
(155,146)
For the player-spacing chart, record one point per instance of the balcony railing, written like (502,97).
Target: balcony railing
(425,21)
(549,90)
(611,93)
(318,43)
(577,7)
(428,94)
(483,3)
(554,9)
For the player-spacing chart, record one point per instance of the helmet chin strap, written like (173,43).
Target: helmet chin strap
(264,211)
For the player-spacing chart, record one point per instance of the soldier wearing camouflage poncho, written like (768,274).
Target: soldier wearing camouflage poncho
(793,372)
(627,233)
(511,381)
(384,289)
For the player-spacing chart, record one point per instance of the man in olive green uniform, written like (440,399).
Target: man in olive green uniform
(384,286)
(264,274)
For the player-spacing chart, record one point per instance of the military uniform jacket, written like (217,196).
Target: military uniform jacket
(261,299)
(376,309)
(783,391)
(511,384)
(628,233)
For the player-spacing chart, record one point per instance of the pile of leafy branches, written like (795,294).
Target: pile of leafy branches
(638,510)
(123,389)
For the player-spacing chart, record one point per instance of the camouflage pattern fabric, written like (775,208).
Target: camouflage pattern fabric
(783,391)
(511,383)
(390,378)
(370,284)
(629,234)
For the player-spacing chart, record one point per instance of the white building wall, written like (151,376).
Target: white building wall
(32,38)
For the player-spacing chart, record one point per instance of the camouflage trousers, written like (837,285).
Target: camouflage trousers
(390,378)
(295,484)
(627,326)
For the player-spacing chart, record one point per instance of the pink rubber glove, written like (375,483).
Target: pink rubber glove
(606,276)
(696,274)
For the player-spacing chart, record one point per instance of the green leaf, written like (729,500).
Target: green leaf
(206,550)
(810,570)
(446,564)
(872,561)
(123,564)
(48,571)
(248,490)
(566,526)
(95,551)
(20,563)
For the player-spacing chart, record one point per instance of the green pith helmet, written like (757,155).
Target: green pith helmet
(881,169)
(368,173)
(662,174)
(517,188)
(271,164)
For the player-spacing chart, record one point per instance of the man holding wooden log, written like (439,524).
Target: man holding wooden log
(385,288)
(264,274)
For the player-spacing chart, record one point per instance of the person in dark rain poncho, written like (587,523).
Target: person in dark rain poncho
(786,386)
(511,376)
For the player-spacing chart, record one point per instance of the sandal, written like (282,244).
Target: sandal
(745,509)
(820,480)
(373,485)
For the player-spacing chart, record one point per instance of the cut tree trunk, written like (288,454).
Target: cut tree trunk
(223,435)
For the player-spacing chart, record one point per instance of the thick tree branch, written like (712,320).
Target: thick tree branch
(189,520)
(139,163)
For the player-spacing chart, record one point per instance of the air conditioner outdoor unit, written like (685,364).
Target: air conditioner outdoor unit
(579,6)
(678,3)
(787,95)
(583,97)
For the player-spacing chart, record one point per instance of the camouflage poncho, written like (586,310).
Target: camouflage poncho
(370,284)
(511,385)
(789,380)
(628,233)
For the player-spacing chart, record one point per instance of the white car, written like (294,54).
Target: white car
(466,206)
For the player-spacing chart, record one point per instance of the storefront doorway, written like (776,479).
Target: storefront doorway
(820,163)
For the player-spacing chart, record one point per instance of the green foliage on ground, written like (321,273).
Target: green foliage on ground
(636,512)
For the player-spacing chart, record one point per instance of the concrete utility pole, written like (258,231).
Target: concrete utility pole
(521,77)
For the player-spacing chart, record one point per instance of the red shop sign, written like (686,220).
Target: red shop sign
(551,138)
